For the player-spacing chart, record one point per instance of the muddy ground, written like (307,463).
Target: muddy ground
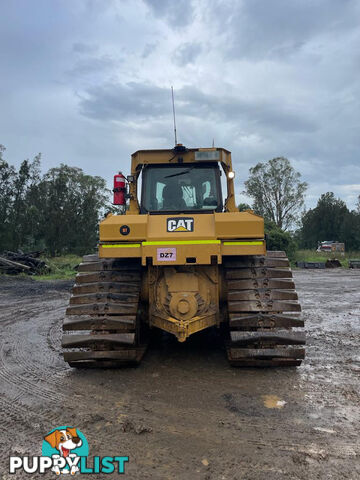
(184,413)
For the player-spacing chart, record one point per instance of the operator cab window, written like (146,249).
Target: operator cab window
(181,188)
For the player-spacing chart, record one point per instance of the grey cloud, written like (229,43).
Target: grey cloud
(149,49)
(90,65)
(177,13)
(124,102)
(96,7)
(262,111)
(79,47)
(259,29)
(187,53)
(137,100)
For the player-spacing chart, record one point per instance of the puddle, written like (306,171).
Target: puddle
(273,401)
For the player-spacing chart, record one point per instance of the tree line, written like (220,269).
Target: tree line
(57,212)
(278,195)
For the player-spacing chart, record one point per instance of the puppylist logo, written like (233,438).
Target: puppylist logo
(65,450)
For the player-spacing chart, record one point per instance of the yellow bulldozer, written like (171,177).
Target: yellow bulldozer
(182,260)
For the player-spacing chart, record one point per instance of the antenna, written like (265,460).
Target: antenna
(173,105)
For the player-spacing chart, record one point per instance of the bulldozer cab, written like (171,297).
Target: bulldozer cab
(181,180)
(181,189)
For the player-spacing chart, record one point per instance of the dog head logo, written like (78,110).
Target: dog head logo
(64,440)
(65,445)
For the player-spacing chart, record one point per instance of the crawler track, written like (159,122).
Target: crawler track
(262,305)
(104,324)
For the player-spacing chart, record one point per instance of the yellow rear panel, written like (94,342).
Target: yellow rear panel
(209,237)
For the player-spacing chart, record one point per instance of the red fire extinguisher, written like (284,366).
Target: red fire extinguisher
(119,189)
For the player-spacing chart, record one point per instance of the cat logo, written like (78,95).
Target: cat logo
(180,224)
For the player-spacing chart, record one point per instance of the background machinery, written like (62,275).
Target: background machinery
(182,260)
(330,246)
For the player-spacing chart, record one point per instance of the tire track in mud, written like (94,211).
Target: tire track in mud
(54,336)
(18,315)
(15,416)
(28,370)
(35,378)
(49,346)
(23,381)
(44,371)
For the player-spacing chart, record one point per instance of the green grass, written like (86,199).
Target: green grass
(313,256)
(61,268)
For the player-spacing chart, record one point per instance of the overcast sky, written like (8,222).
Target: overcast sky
(87,82)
